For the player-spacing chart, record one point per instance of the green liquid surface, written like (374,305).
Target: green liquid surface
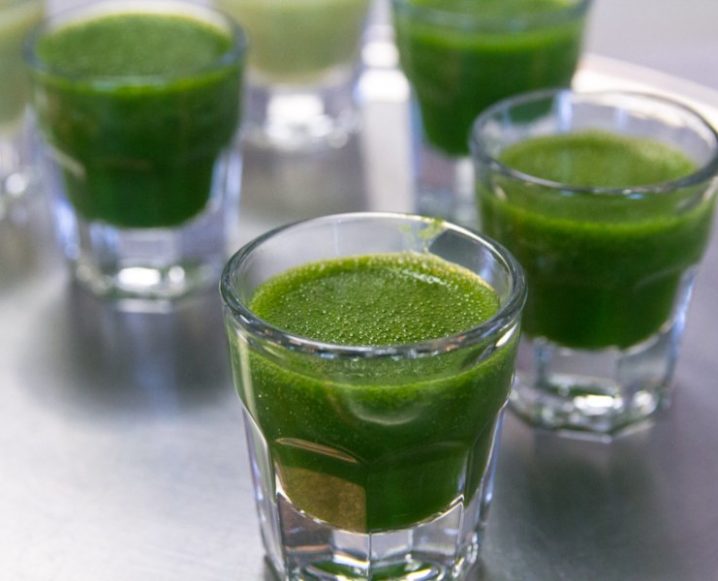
(138,108)
(458,70)
(376,444)
(299,41)
(603,270)
(378,300)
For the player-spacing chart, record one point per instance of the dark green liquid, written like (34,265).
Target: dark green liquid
(139,109)
(458,72)
(370,445)
(602,270)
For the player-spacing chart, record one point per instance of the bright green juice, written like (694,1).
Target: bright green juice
(458,70)
(375,444)
(16,19)
(602,270)
(137,108)
(299,41)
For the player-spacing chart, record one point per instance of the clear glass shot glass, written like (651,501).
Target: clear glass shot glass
(302,70)
(610,262)
(372,462)
(18,173)
(460,58)
(143,165)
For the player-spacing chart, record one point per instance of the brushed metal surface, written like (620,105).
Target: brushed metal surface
(122,454)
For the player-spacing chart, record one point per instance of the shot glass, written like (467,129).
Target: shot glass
(302,70)
(461,57)
(17,172)
(606,199)
(371,462)
(139,126)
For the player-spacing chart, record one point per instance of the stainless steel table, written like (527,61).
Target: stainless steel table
(122,455)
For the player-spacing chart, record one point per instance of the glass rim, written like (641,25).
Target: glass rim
(703,173)
(502,319)
(442,17)
(87,12)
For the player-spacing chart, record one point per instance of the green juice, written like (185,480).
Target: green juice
(299,41)
(137,108)
(375,444)
(482,51)
(16,19)
(602,270)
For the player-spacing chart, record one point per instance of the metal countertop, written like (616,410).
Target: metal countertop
(122,454)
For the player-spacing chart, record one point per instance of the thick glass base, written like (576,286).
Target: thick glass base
(599,392)
(142,268)
(300,547)
(444,186)
(426,551)
(297,118)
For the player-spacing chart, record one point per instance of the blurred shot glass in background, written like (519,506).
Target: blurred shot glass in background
(18,174)
(302,70)
(607,201)
(460,57)
(139,105)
